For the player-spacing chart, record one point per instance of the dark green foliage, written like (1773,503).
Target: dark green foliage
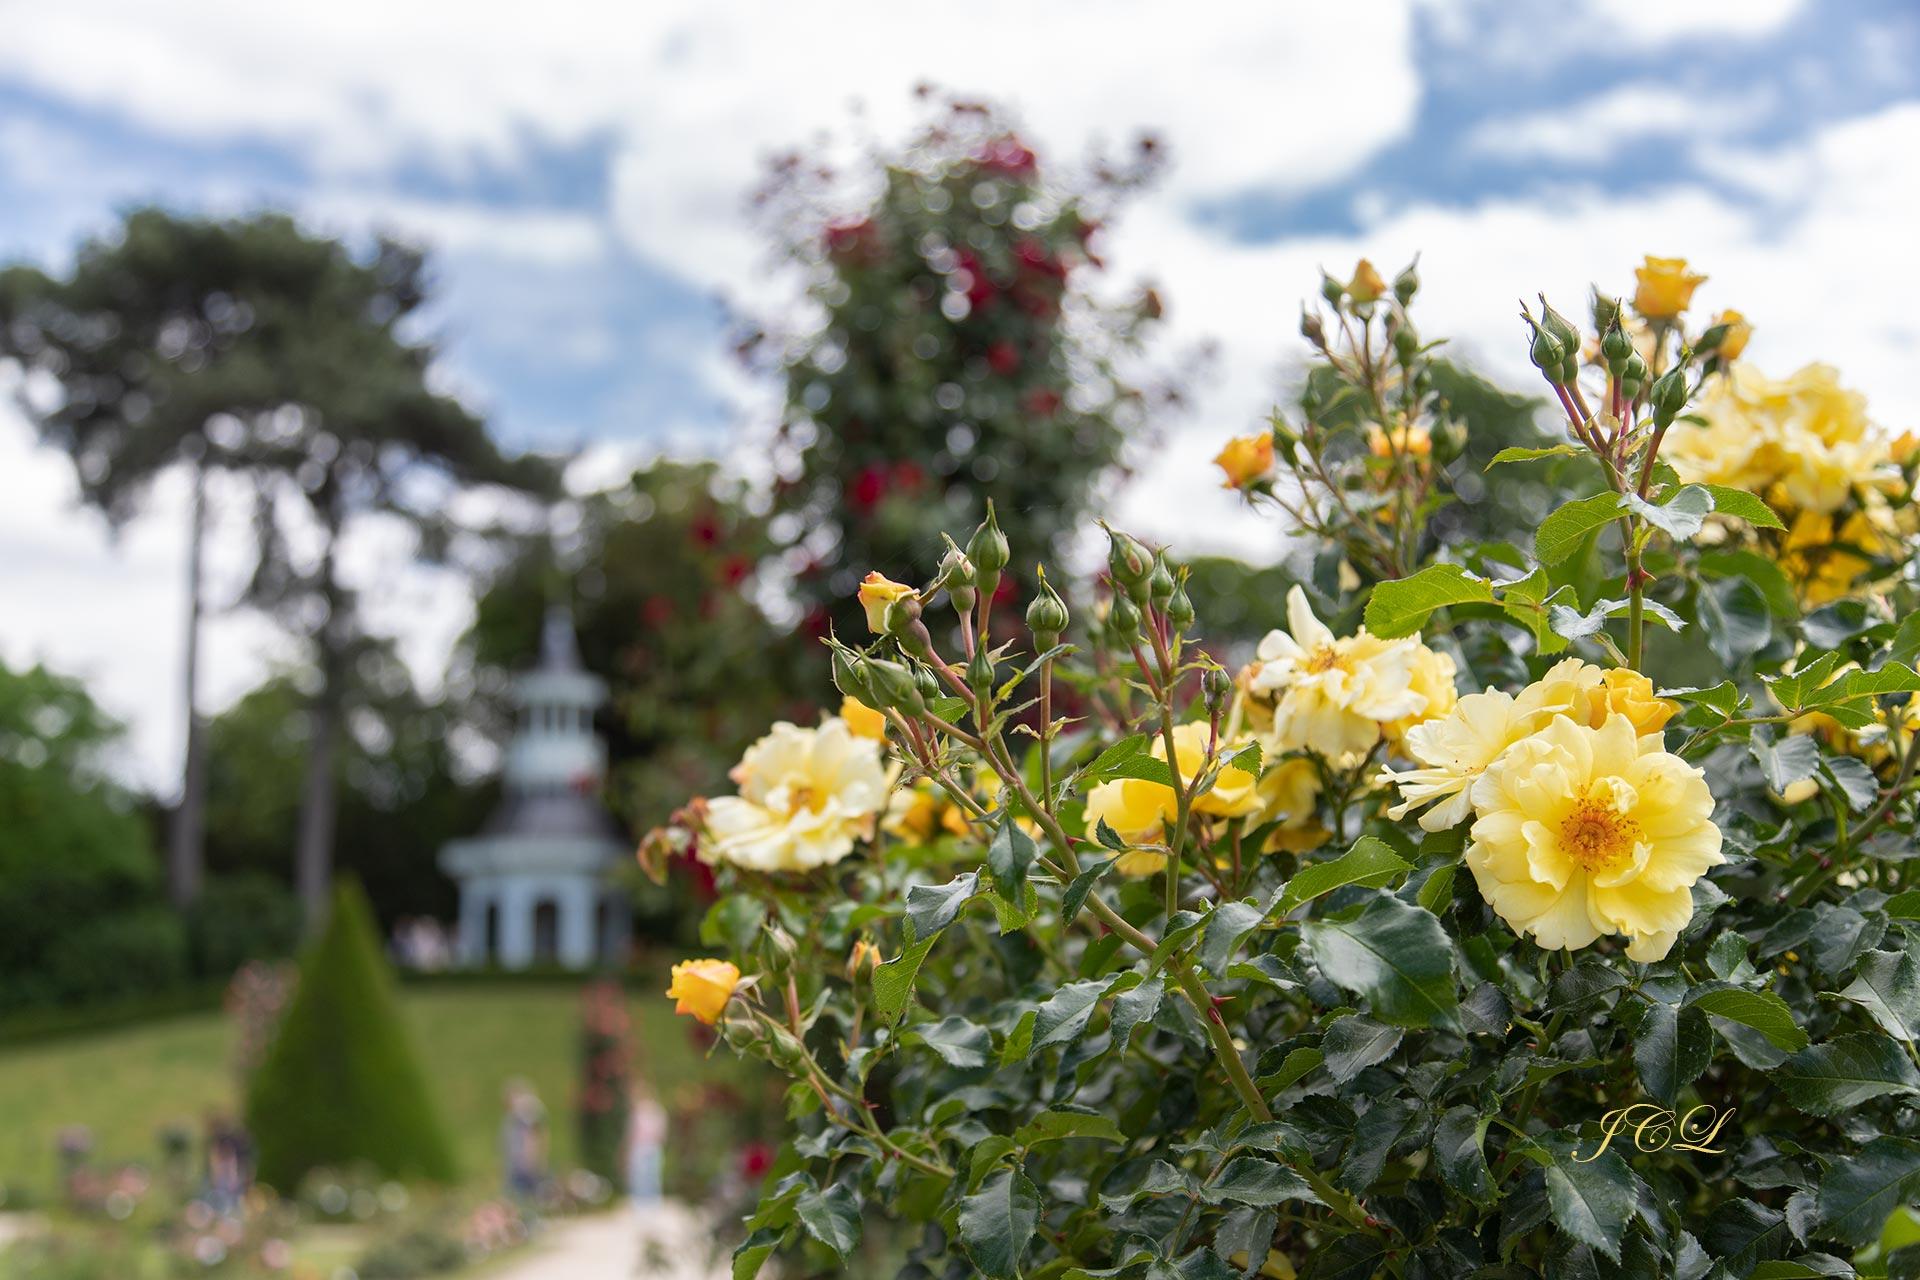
(605,1078)
(240,918)
(946,372)
(78,877)
(341,1084)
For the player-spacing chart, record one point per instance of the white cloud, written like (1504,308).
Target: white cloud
(1597,129)
(1645,23)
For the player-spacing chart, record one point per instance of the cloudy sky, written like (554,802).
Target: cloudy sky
(579,169)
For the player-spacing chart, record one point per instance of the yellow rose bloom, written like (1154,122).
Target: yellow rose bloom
(1331,695)
(1139,810)
(1366,285)
(1624,691)
(1289,794)
(1584,832)
(1738,331)
(1406,441)
(1826,562)
(1234,793)
(1565,690)
(863,720)
(1245,459)
(1433,674)
(877,591)
(921,812)
(1140,862)
(1665,289)
(1451,753)
(805,796)
(703,988)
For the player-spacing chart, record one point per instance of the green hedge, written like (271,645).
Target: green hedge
(341,1084)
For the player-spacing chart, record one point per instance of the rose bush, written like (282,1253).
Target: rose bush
(1516,910)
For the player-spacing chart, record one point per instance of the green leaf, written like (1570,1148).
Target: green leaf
(832,1217)
(1764,1011)
(1680,515)
(1788,690)
(1370,862)
(1056,1126)
(931,908)
(1250,1231)
(893,981)
(997,1223)
(1456,1147)
(1131,1008)
(1723,697)
(1076,895)
(1128,758)
(1226,925)
(1063,1015)
(1794,758)
(1765,574)
(1736,619)
(1852,781)
(1562,532)
(752,1253)
(1839,1075)
(1906,641)
(1356,1257)
(1743,1234)
(1396,955)
(1261,1183)
(1354,1043)
(1009,857)
(1671,1047)
(1887,985)
(1904,906)
(1741,505)
(1592,1199)
(962,1044)
(1297,1064)
(1400,608)
(1860,1192)
(1514,453)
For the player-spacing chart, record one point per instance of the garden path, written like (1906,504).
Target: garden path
(608,1246)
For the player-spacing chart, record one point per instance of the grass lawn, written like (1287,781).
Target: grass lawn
(126,1085)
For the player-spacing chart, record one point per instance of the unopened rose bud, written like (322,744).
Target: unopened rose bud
(926,682)
(1046,616)
(1606,311)
(980,673)
(1616,348)
(895,687)
(877,592)
(783,1047)
(1215,685)
(1330,289)
(1123,621)
(1728,336)
(1405,344)
(778,948)
(1127,561)
(1179,610)
(957,576)
(1634,377)
(1366,285)
(1548,356)
(1559,326)
(1160,584)
(1669,395)
(861,962)
(988,548)
(1407,283)
(852,677)
(1312,329)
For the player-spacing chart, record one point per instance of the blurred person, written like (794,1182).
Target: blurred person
(646,1146)
(523,1142)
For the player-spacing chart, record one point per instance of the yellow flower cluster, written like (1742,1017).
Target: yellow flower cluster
(1584,824)
(806,795)
(703,987)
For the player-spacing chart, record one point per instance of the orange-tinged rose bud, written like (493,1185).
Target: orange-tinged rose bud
(1366,285)
(1738,331)
(877,591)
(1246,459)
(703,988)
(862,960)
(1666,287)
(863,720)
(1903,448)
(1624,691)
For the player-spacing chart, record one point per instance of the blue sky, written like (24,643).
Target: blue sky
(579,170)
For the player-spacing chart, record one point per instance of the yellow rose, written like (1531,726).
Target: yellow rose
(1140,862)
(1666,287)
(1366,285)
(1289,794)
(1331,695)
(805,796)
(863,720)
(1234,793)
(1407,441)
(1584,832)
(1245,459)
(1738,331)
(862,960)
(1825,561)
(1903,447)
(1137,810)
(1451,753)
(703,988)
(923,811)
(877,591)
(1626,692)
(1433,673)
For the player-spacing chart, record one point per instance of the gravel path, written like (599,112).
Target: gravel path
(671,1243)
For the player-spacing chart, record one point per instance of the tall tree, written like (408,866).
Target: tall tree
(959,354)
(250,346)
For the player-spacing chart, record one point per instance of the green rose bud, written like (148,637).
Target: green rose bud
(1407,283)
(988,548)
(1160,583)
(1046,616)
(1616,348)
(1669,395)
(1179,610)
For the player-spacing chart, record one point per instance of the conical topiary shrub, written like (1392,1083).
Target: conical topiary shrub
(341,1083)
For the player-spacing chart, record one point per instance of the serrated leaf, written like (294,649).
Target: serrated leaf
(1396,955)
(1723,697)
(1836,1076)
(1076,895)
(932,907)
(1370,862)
(1354,1043)
(1764,1011)
(1250,1231)
(832,1217)
(1562,532)
(1671,1047)
(1401,607)
(1679,515)
(1456,1147)
(1009,857)
(998,1221)
(1786,762)
(893,981)
(1860,1191)
(1514,453)
(1852,780)
(1131,1008)
(1593,1199)
(1226,925)
(1887,985)
(1293,1069)
(962,1044)
(1063,1015)
(752,1253)
(1742,505)
(1262,1183)
(1057,1126)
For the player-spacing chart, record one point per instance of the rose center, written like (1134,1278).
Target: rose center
(1327,658)
(1598,836)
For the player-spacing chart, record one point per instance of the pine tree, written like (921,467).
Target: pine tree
(341,1084)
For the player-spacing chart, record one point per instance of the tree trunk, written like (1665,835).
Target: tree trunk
(187,835)
(313,854)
